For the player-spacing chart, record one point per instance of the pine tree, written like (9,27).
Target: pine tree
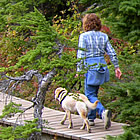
(33,36)
(123,96)
(122,16)
(36,43)
(42,52)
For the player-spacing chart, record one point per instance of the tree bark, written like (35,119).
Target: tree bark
(38,101)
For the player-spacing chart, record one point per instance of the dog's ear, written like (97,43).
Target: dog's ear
(57,91)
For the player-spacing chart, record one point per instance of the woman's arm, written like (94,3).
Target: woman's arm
(112,54)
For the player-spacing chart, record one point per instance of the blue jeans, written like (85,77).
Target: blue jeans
(92,93)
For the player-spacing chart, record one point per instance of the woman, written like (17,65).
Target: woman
(96,44)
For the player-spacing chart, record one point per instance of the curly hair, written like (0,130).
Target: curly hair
(91,22)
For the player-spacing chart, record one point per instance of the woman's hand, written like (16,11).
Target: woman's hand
(118,73)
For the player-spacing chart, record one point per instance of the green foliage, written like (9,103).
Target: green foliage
(14,40)
(45,37)
(43,46)
(69,26)
(122,16)
(124,96)
(47,7)
(30,42)
(43,57)
(19,131)
(10,110)
(128,135)
(27,33)
(42,54)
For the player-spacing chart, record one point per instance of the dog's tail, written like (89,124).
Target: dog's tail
(88,103)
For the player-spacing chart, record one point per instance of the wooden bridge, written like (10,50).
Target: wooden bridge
(54,130)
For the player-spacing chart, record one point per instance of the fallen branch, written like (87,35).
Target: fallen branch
(39,99)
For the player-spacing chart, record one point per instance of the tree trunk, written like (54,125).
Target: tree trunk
(39,101)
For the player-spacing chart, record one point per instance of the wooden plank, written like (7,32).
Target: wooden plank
(101,134)
(74,132)
(55,128)
(78,124)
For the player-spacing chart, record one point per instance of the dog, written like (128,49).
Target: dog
(74,102)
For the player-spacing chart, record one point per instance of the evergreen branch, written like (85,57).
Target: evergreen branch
(23,112)
(10,110)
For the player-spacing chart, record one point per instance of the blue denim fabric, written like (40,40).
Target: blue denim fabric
(96,75)
(92,93)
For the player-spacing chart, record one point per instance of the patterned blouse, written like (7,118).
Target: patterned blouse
(95,44)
